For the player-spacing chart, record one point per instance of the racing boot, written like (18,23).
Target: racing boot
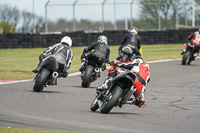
(41,57)
(102,87)
(38,68)
(139,103)
(106,85)
(64,74)
(136,102)
(83,63)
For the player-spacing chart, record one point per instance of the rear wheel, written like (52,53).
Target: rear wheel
(41,80)
(87,76)
(94,105)
(186,58)
(112,100)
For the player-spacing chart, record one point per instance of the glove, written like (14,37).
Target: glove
(113,63)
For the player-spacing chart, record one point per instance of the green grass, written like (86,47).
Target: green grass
(17,64)
(19,130)
(160,52)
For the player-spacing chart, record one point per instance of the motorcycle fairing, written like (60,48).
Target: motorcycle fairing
(50,63)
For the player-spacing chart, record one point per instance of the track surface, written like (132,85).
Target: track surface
(172,98)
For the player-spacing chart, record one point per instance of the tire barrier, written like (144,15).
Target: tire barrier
(83,38)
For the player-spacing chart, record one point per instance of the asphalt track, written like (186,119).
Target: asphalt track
(172,98)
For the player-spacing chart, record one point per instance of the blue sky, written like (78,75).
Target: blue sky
(92,12)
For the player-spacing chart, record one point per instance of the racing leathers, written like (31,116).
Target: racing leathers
(133,40)
(194,38)
(98,49)
(62,50)
(142,77)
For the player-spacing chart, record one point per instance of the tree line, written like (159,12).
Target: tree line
(153,14)
(14,20)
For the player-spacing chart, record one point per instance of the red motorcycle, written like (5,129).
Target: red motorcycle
(188,53)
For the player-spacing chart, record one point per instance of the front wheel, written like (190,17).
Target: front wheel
(41,80)
(86,80)
(187,58)
(94,105)
(112,100)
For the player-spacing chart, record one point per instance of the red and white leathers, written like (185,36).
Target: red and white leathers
(195,39)
(142,76)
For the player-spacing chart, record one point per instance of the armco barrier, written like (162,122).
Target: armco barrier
(81,38)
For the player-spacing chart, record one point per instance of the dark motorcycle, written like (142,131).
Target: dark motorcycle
(117,94)
(188,53)
(92,71)
(126,53)
(48,72)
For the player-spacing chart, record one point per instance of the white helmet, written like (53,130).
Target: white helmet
(67,40)
(102,39)
(134,30)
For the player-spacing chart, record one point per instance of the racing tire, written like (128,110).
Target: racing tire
(94,105)
(112,101)
(41,80)
(86,80)
(186,58)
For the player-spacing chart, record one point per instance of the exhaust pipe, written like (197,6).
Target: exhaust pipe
(55,75)
(97,70)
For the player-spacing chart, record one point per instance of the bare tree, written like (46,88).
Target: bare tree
(197,13)
(9,14)
(26,22)
(39,24)
(151,10)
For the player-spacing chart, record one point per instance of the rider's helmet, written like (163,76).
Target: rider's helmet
(134,30)
(137,59)
(102,39)
(66,40)
(197,33)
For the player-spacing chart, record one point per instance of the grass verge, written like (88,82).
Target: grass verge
(17,64)
(19,130)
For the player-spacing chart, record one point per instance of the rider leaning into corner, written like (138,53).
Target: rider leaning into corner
(133,39)
(64,49)
(99,49)
(142,76)
(194,38)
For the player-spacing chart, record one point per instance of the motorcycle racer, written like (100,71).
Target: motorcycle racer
(142,76)
(194,38)
(64,49)
(133,40)
(99,49)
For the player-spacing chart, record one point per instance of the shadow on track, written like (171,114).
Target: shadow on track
(43,91)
